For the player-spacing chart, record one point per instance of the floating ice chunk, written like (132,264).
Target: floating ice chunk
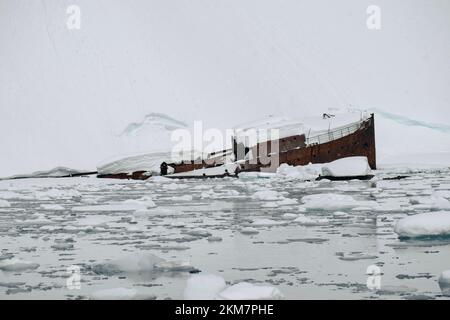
(15,264)
(127,205)
(74,229)
(267,195)
(424,225)
(353,256)
(140,264)
(95,220)
(330,201)
(267,222)
(198,233)
(432,203)
(159,179)
(229,193)
(114,294)
(12,195)
(203,287)
(53,207)
(287,202)
(270,204)
(444,282)
(248,291)
(289,216)
(6,256)
(175,186)
(147,201)
(395,290)
(214,239)
(120,294)
(62,246)
(307,221)
(4,204)
(178,224)
(40,219)
(57,194)
(351,166)
(308,172)
(249,231)
(202,187)
(384,207)
(340,214)
(50,228)
(442,193)
(186,197)
(256,175)
(142,212)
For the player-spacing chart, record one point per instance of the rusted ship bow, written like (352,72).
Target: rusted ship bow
(356,139)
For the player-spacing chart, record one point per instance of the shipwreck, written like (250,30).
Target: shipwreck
(299,142)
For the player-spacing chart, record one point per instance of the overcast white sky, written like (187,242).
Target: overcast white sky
(64,93)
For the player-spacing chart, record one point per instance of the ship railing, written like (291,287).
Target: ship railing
(334,134)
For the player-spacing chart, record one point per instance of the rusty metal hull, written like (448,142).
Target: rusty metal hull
(359,143)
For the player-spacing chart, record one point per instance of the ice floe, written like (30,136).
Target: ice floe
(430,203)
(307,221)
(249,230)
(444,282)
(140,264)
(308,172)
(126,205)
(4,204)
(424,225)
(267,223)
(210,287)
(185,197)
(351,166)
(15,264)
(267,195)
(331,201)
(249,291)
(175,186)
(54,193)
(203,287)
(120,294)
(38,219)
(53,207)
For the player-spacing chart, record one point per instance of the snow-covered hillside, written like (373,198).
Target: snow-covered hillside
(403,141)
